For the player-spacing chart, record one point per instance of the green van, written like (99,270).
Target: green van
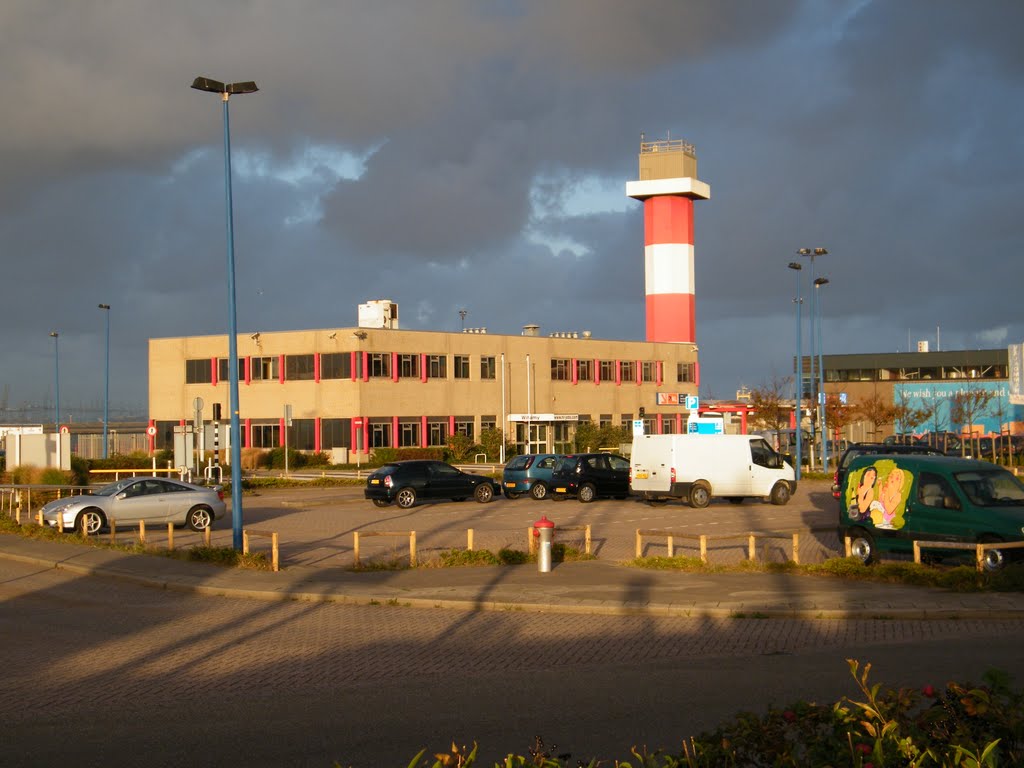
(889,501)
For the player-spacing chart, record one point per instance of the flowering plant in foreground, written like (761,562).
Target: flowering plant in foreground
(956,725)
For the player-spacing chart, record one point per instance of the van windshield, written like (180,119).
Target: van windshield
(991,488)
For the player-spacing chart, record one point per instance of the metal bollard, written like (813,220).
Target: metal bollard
(544,529)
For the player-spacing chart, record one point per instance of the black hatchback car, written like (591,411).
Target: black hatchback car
(859,449)
(406,482)
(590,475)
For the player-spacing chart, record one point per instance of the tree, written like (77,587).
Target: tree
(908,416)
(838,414)
(590,437)
(965,406)
(875,410)
(771,404)
(490,441)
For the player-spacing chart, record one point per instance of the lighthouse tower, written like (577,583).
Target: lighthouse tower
(668,186)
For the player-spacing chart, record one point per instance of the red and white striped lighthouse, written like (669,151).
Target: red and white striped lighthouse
(668,186)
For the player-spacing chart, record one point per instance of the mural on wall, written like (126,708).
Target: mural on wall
(878,494)
(996,418)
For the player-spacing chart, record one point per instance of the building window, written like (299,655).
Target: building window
(488,422)
(584,370)
(335,433)
(437,366)
(684,372)
(607,370)
(648,371)
(298,367)
(266,436)
(627,421)
(628,370)
(464,426)
(302,434)
(263,369)
(198,371)
(223,367)
(409,366)
(409,434)
(487,368)
(380,365)
(560,369)
(380,434)
(605,420)
(437,432)
(461,366)
(336,365)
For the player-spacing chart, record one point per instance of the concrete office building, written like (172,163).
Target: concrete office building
(377,385)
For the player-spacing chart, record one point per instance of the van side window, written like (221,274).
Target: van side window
(760,453)
(933,490)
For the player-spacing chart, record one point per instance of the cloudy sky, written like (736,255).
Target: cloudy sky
(473,155)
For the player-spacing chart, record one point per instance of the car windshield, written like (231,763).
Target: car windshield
(114,488)
(991,488)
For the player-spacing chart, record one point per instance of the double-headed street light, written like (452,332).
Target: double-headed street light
(821,377)
(798,371)
(106,383)
(226,90)
(812,254)
(56,383)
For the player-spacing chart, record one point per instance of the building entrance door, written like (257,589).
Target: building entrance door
(538,442)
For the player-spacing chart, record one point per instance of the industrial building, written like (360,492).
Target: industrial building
(374,384)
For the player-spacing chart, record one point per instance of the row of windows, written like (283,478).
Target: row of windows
(338,365)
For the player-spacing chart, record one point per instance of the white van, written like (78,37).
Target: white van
(697,467)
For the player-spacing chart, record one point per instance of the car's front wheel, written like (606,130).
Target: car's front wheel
(483,493)
(992,559)
(199,518)
(780,494)
(89,522)
(512,495)
(406,498)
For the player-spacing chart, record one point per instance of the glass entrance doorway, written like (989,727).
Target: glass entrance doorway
(538,438)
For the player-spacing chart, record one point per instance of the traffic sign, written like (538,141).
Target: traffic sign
(151,431)
(692,402)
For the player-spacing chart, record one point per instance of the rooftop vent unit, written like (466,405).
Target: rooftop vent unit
(531,330)
(474,330)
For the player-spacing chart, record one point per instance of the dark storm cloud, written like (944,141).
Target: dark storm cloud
(888,132)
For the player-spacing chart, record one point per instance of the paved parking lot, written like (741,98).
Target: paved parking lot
(316,525)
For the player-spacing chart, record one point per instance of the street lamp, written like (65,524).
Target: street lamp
(798,372)
(462,315)
(813,253)
(226,90)
(821,377)
(56,384)
(106,383)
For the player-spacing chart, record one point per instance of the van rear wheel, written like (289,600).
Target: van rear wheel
(700,495)
(862,546)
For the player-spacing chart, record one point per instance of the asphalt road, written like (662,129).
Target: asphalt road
(107,673)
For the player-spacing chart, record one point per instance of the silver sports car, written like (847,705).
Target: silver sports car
(153,499)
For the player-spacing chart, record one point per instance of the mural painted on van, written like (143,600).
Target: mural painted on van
(878,493)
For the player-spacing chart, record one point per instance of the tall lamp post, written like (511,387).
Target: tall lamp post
(226,90)
(821,377)
(798,372)
(56,381)
(812,254)
(106,383)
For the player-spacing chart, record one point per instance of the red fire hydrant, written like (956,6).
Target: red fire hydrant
(544,529)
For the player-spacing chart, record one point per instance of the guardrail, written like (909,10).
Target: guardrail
(702,540)
(275,556)
(365,534)
(979,548)
(531,536)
